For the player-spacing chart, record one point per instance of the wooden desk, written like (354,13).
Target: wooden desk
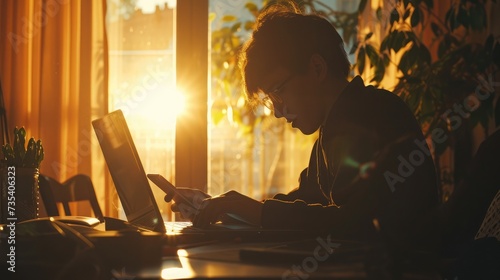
(223,261)
(132,255)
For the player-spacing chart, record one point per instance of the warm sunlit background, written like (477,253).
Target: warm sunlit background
(142,79)
(258,162)
(66,63)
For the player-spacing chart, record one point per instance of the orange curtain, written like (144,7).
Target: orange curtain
(53,68)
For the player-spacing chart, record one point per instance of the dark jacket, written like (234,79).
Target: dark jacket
(461,216)
(370,166)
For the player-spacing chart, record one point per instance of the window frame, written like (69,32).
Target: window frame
(192,78)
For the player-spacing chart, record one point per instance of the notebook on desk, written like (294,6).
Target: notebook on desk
(134,190)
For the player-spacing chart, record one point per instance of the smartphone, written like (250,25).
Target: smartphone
(167,187)
(162,183)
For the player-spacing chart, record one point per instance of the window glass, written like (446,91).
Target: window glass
(142,80)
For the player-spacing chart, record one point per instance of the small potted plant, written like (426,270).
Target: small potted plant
(20,165)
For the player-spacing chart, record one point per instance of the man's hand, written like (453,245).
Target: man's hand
(186,201)
(231,203)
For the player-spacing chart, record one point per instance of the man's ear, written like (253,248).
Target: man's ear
(318,65)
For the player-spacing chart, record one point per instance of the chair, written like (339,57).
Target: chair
(76,188)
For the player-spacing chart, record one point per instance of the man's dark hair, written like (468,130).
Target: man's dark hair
(288,39)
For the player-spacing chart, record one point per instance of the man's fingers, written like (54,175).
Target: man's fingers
(207,211)
(168,197)
(174,207)
(211,211)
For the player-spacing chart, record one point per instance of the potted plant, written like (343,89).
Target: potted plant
(445,73)
(20,165)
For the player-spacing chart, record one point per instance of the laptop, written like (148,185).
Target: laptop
(127,172)
(134,191)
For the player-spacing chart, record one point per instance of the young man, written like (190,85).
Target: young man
(370,172)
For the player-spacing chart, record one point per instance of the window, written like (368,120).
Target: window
(142,80)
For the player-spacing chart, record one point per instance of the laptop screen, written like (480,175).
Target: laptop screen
(127,172)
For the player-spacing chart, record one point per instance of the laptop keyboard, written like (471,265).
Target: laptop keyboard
(177,227)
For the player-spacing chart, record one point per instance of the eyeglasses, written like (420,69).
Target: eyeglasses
(273,98)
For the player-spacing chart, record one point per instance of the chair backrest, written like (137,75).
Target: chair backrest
(76,188)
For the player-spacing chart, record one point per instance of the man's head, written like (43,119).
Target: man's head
(287,41)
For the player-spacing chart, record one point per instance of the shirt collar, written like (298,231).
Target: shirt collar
(355,85)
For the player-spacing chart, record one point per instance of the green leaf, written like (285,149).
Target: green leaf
(229,18)
(379,13)
(383,45)
(361,6)
(413,99)
(415,17)
(404,63)
(451,20)
(436,29)
(368,36)
(29,158)
(8,154)
(406,14)
(372,55)
(361,60)
(462,18)
(235,27)
(354,48)
(398,40)
(39,153)
(408,37)
(386,59)
(379,71)
(22,156)
(394,17)
(22,134)
(251,7)
(347,35)
(408,59)
(425,55)
(249,25)
(19,145)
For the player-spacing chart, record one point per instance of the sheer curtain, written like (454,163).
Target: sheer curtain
(53,67)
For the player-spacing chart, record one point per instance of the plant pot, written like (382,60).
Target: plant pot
(19,194)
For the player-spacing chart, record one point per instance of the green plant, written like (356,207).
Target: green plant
(444,72)
(432,86)
(21,156)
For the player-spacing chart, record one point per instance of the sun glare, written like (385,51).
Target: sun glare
(175,104)
(162,107)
